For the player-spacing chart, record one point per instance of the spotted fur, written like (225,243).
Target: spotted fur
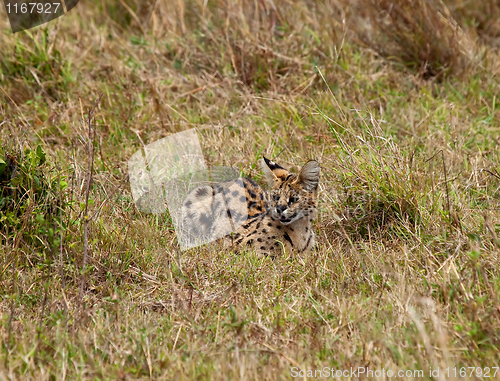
(267,221)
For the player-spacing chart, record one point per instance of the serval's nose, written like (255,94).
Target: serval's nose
(280,208)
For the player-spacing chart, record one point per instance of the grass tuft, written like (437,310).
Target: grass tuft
(419,34)
(374,185)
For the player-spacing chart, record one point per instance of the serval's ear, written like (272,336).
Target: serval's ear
(309,175)
(274,173)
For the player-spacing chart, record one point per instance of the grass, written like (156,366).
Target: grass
(405,275)
(420,34)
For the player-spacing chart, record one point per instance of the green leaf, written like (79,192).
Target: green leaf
(3,165)
(474,255)
(40,154)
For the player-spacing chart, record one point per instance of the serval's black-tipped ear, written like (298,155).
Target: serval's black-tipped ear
(309,175)
(273,171)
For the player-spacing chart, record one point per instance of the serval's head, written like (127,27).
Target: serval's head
(292,196)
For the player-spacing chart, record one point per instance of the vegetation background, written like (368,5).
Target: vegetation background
(396,99)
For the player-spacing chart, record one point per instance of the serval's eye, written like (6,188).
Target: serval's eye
(276,197)
(293,200)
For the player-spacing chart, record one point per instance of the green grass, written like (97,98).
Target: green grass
(405,275)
